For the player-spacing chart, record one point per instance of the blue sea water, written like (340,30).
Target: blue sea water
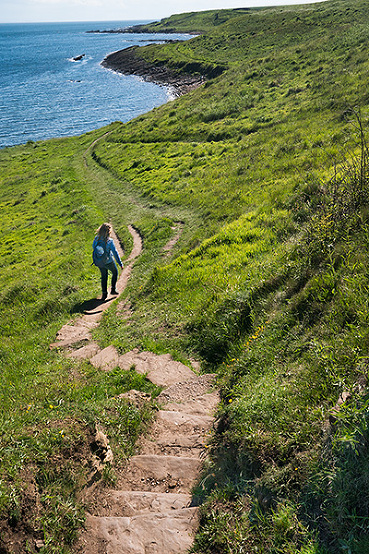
(44,93)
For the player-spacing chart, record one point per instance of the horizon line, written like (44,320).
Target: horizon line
(77,21)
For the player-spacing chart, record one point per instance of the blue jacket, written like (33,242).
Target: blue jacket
(111,250)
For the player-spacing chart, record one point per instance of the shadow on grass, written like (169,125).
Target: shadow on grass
(87,305)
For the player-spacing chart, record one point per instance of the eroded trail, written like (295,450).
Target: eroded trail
(151,510)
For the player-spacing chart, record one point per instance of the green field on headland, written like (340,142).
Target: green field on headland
(264,170)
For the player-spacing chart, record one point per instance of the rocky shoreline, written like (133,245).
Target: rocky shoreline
(128,62)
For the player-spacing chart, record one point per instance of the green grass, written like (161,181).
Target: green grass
(50,405)
(275,443)
(192,22)
(267,285)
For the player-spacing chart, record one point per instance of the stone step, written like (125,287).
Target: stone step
(151,473)
(178,445)
(177,434)
(79,330)
(187,390)
(161,369)
(107,359)
(168,533)
(131,503)
(85,352)
(202,405)
(184,422)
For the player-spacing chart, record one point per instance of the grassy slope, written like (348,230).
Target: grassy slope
(284,327)
(280,315)
(240,145)
(191,22)
(50,405)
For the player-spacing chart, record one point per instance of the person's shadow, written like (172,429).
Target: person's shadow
(87,306)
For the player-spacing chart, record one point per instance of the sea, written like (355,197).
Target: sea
(52,83)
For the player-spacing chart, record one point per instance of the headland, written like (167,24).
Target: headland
(129,62)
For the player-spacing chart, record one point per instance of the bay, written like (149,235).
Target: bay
(46,93)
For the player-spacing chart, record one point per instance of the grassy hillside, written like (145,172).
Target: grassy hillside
(264,168)
(191,22)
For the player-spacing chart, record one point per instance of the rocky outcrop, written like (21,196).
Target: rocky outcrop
(182,78)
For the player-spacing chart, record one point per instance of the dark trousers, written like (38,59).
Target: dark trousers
(104,276)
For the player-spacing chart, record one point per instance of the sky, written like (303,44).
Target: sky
(28,11)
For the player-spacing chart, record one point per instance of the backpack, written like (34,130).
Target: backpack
(100,254)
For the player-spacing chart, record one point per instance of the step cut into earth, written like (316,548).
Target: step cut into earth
(151,509)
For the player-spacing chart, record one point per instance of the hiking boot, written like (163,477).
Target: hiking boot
(114,292)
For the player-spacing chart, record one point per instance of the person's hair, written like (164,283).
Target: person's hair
(103,232)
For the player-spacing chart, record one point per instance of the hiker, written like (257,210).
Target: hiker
(104,252)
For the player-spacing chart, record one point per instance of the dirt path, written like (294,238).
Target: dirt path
(151,510)
(76,335)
